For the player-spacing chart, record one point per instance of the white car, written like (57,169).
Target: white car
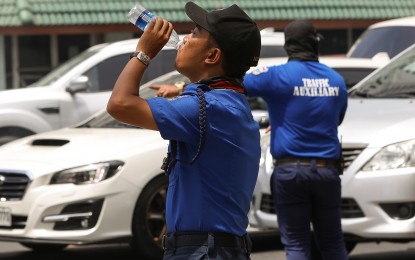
(81,87)
(378,140)
(99,181)
(73,91)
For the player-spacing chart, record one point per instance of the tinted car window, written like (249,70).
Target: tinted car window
(102,77)
(161,64)
(392,40)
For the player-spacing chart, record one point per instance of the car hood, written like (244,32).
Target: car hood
(70,147)
(377,122)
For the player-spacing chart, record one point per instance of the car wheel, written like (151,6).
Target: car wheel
(149,222)
(38,247)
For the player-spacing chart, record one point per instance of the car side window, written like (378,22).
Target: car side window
(103,76)
(160,65)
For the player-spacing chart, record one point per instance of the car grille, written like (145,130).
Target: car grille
(13,185)
(349,207)
(350,152)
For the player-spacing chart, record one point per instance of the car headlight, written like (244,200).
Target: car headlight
(394,156)
(87,174)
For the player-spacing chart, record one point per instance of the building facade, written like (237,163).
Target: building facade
(38,35)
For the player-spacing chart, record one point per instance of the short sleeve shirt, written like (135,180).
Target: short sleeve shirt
(213,194)
(306,101)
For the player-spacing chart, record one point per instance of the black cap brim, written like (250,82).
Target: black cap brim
(197,14)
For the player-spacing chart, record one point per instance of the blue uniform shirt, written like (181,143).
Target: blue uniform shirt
(213,194)
(306,102)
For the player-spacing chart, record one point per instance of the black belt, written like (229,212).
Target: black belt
(174,240)
(305,161)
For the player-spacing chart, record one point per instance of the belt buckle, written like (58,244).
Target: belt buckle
(163,242)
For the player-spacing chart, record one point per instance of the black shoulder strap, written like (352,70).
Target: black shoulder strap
(170,160)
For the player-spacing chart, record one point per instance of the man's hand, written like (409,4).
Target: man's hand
(155,36)
(166,91)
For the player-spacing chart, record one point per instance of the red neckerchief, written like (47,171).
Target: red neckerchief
(224,83)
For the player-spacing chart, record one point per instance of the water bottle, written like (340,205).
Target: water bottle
(140,17)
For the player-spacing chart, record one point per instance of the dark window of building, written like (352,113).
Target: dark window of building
(8,60)
(333,42)
(71,45)
(34,58)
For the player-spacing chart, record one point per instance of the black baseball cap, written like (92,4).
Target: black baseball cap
(236,34)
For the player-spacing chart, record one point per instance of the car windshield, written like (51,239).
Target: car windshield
(378,40)
(395,80)
(55,74)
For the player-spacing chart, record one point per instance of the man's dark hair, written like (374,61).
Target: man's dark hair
(233,70)
(229,67)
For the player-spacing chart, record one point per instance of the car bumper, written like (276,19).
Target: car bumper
(69,214)
(375,206)
(386,202)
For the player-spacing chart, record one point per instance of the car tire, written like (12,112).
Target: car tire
(39,247)
(149,221)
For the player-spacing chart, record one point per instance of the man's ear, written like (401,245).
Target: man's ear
(214,56)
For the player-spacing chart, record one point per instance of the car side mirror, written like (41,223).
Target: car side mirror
(78,85)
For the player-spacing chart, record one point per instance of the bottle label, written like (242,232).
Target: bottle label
(144,19)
